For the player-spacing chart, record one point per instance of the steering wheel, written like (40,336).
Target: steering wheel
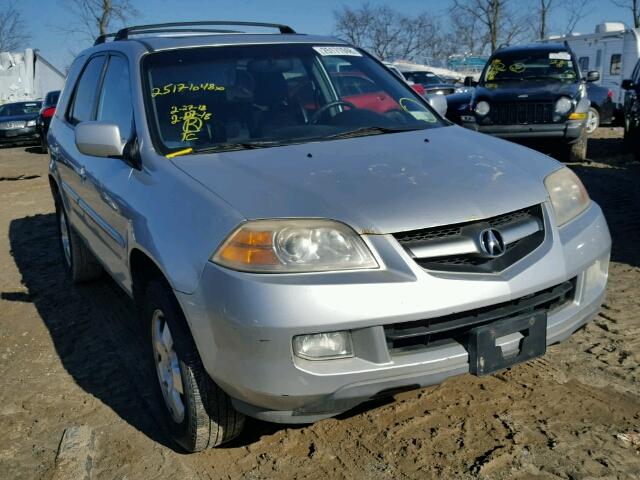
(316,116)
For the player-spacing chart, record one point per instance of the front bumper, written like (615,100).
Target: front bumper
(17,135)
(569,131)
(243,324)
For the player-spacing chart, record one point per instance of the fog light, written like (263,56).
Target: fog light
(323,346)
(578,116)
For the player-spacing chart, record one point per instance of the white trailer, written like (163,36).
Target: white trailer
(27,76)
(613,50)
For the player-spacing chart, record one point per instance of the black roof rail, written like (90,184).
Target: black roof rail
(183,27)
(103,38)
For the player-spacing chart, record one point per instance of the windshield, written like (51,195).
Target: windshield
(530,65)
(17,109)
(424,78)
(261,95)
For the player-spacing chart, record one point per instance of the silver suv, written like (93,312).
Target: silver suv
(301,231)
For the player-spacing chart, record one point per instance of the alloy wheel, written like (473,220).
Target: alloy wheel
(167,367)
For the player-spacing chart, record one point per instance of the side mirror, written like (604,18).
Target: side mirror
(99,139)
(627,84)
(469,82)
(439,103)
(593,76)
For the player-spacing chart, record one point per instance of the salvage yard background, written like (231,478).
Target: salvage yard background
(69,358)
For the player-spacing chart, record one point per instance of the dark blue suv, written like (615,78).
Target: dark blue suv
(531,92)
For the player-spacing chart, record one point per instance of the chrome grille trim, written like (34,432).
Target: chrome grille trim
(457,247)
(465,245)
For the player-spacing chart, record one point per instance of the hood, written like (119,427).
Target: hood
(382,183)
(534,90)
(19,118)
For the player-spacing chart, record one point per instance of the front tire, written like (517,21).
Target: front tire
(593,120)
(79,261)
(198,414)
(577,151)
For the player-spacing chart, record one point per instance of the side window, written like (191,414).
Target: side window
(598,59)
(115,99)
(85,97)
(584,64)
(616,64)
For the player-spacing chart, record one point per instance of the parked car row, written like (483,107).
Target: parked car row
(27,122)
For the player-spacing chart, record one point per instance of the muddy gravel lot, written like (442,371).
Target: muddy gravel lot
(71,361)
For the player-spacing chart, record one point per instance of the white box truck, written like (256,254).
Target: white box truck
(27,76)
(613,50)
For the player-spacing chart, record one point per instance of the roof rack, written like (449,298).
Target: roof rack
(186,27)
(103,38)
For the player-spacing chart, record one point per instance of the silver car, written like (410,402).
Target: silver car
(301,231)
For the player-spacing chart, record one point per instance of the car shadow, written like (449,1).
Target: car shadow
(92,326)
(35,150)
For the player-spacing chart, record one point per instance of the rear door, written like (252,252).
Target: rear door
(70,163)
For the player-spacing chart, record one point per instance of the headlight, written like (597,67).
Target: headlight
(568,196)
(283,246)
(563,105)
(31,123)
(482,108)
(323,346)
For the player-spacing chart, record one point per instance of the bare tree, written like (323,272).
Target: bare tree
(13,34)
(386,33)
(544,10)
(634,6)
(575,10)
(499,19)
(96,17)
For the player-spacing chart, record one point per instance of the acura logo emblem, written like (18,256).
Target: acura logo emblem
(491,243)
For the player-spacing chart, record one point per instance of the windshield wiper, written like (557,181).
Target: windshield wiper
(228,147)
(360,132)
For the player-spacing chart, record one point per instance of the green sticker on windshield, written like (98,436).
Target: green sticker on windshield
(421,114)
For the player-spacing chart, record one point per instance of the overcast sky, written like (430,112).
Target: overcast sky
(46,19)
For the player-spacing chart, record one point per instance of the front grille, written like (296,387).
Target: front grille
(472,262)
(521,113)
(415,335)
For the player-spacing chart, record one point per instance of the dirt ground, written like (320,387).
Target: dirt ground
(70,356)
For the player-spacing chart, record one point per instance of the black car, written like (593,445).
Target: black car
(530,92)
(44,117)
(631,111)
(432,83)
(602,107)
(18,122)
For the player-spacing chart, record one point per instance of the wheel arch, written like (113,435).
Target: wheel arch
(143,269)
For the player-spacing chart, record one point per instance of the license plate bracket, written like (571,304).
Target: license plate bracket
(485,357)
